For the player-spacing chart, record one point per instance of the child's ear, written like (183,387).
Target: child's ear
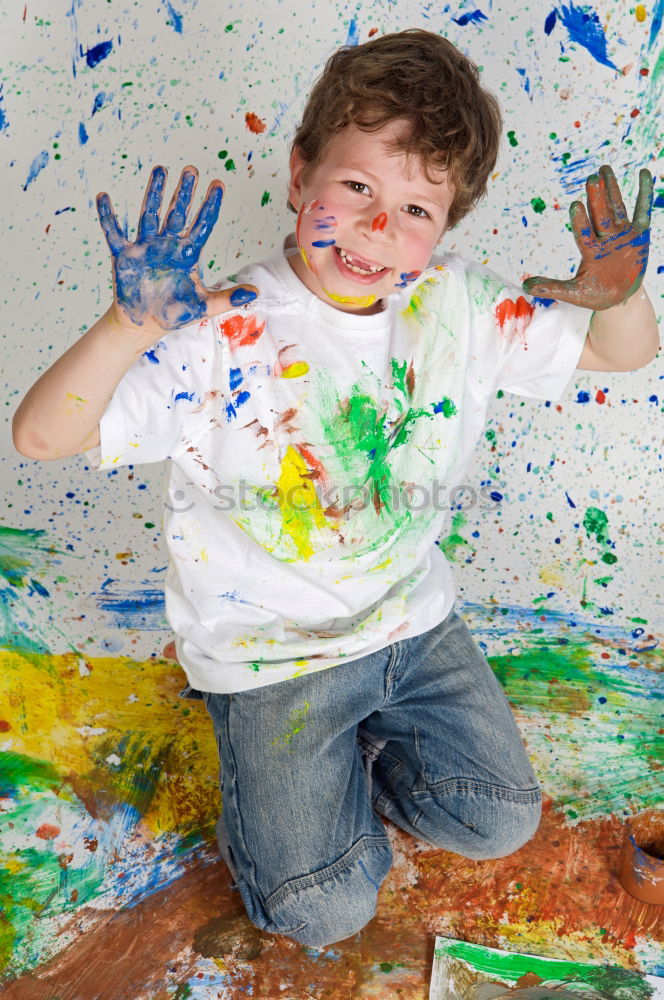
(297,164)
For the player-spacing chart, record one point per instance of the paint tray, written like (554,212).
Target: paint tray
(459,968)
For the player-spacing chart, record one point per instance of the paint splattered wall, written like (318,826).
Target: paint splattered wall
(92,95)
(108,777)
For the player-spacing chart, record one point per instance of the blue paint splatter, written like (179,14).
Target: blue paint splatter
(353,36)
(583,396)
(98,52)
(324,243)
(537,301)
(526,81)
(141,608)
(235,377)
(584,27)
(36,167)
(184,395)
(100,101)
(240,296)
(472,17)
(570,501)
(82,134)
(176,19)
(4,124)
(655,27)
(550,22)
(659,203)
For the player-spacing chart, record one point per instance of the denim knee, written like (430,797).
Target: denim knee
(333,903)
(478,820)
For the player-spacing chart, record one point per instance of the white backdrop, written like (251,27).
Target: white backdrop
(93,94)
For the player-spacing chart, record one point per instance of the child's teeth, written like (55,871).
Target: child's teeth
(359,270)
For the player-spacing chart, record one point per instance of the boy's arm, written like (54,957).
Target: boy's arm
(60,414)
(157,289)
(623,332)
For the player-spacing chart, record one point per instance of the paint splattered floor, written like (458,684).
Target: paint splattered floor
(109,877)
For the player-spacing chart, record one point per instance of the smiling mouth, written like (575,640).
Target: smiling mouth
(357,264)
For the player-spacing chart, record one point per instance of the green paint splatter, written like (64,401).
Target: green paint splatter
(596,524)
(512,138)
(446,407)
(296,722)
(454,540)
(265,199)
(538,205)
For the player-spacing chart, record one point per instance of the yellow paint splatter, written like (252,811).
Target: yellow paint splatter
(295,370)
(300,508)
(640,12)
(361,301)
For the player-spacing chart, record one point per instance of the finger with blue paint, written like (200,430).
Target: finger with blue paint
(614,250)
(157,279)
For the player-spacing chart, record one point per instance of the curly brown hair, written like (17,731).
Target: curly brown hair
(418,76)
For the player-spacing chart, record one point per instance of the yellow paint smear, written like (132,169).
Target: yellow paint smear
(300,508)
(640,12)
(361,301)
(295,370)
(76,722)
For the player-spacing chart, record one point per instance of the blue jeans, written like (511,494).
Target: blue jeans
(419,732)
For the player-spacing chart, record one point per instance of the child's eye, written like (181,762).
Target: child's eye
(357,186)
(418,212)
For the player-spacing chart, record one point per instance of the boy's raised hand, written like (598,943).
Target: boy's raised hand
(156,279)
(614,251)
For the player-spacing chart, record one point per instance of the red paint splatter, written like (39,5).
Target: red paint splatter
(635,113)
(314,463)
(4,726)
(242,330)
(25,12)
(379,222)
(644,71)
(577,124)
(47,831)
(600,396)
(254,123)
(514,318)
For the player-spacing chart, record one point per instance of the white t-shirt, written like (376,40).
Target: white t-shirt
(312,456)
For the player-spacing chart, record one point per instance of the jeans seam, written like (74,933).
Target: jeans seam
(526,796)
(324,874)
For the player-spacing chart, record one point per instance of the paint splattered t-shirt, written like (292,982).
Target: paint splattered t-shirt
(312,453)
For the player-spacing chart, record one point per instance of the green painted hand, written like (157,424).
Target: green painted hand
(614,251)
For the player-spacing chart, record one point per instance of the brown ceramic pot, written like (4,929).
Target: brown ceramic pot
(642,870)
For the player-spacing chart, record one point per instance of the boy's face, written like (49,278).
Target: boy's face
(368,219)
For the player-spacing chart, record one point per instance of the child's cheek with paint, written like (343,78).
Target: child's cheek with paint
(400,242)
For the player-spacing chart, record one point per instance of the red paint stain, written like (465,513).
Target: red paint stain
(317,467)
(4,726)
(254,123)
(242,330)
(514,317)
(635,113)
(600,396)
(47,831)
(379,222)
(374,31)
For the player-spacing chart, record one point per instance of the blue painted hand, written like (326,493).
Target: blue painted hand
(157,279)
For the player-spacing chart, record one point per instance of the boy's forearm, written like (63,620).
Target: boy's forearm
(622,338)
(62,410)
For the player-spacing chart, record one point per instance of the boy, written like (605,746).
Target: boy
(312,432)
